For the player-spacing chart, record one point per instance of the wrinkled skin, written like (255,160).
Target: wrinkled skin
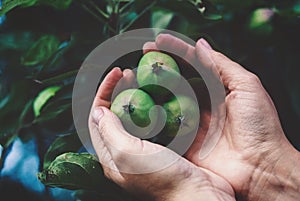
(253,155)
(181,180)
(253,149)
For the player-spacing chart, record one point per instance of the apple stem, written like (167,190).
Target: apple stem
(156,67)
(180,120)
(129,108)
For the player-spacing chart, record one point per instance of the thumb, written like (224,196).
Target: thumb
(110,140)
(111,131)
(120,151)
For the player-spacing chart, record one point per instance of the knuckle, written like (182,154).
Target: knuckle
(162,37)
(253,78)
(218,55)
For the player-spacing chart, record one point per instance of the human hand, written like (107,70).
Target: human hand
(129,161)
(253,154)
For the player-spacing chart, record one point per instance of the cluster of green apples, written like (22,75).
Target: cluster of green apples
(158,75)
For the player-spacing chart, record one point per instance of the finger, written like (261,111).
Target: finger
(170,43)
(149,46)
(231,73)
(129,79)
(113,132)
(177,46)
(104,93)
(109,130)
(126,152)
(126,82)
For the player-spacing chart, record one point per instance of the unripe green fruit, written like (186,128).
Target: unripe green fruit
(134,107)
(157,72)
(182,116)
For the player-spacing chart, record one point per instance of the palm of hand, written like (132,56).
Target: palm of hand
(114,162)
(251,129)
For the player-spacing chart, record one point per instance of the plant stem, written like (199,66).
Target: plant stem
(86,8)
(126,6)
(117,11)
(97,17)
(105,15)
(138,16)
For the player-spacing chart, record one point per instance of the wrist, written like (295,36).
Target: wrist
(208,193)
(199,187)
(277,177)
(184,189)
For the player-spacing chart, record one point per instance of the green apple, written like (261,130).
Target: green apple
(158,73)
(182,113)
(134,108)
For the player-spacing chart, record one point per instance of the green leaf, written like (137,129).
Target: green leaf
(58,4)
(53,110)
(296,7)
(27,113)
(65,93)
(183,10)
(7,133)
(212,16)
(8,5)
(42,98)
(54,61)
(62,144)
(12,101)
(260,17)
(13,110)
(4,101)
(260,21)
(58,107)
(60,78)
(161,19)
(41,51)
(138,15)
(74,171)
(12,123)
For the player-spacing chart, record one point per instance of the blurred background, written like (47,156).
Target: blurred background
(44,42)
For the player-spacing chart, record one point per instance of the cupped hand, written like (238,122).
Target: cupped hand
(129,161)
(252,147)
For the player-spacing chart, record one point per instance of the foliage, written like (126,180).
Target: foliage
(44,42)
(59,172)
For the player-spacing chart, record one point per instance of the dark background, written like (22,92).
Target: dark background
(43,43)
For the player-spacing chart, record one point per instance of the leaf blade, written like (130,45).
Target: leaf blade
(62,144)
(40,51)
(43,97)
(75,171)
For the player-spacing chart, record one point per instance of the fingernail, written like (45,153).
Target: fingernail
(117,69)
(205,43)
(97,113)
(127,72)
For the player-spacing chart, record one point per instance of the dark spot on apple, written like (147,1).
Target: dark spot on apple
(181,121)
(156,67)
(129,108)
